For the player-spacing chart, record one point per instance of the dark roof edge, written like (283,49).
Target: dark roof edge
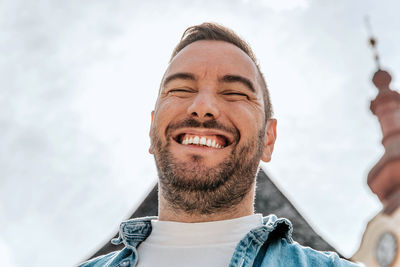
(285,195)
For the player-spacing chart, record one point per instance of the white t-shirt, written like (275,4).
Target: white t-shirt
(194,244)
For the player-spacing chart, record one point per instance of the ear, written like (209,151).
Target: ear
(151,128)
(270,137)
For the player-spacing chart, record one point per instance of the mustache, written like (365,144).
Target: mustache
(211,124)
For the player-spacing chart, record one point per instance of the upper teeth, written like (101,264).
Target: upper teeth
(200,141)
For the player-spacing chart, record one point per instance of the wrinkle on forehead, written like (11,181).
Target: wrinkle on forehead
(215,57)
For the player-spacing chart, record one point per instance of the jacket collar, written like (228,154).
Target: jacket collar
(133,232)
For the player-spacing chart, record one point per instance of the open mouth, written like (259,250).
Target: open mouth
(211,140)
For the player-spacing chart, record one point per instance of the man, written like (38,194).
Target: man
(211,125)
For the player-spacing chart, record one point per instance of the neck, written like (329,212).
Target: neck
(167,212)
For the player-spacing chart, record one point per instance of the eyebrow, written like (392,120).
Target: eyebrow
(238,79)
(226,79)
(179,76)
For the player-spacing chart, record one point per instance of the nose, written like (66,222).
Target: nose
(204,107)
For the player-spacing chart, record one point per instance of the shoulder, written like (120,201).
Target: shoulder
(284,253)
(99,261)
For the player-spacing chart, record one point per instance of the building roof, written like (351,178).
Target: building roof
(269,200)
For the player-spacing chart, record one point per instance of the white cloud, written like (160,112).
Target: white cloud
(6,255)
(281,5)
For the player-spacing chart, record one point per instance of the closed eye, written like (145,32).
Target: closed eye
(235,95)
(180,92)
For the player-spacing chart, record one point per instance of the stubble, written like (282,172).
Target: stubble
(196,189)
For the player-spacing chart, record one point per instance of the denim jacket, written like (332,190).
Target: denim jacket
(267,245)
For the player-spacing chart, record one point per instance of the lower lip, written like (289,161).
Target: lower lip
(199,148)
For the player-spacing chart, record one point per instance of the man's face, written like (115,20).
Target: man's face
(208,128)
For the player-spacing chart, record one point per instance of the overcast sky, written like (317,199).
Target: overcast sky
(79,80)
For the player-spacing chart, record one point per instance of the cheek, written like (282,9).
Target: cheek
(166,112)
(170,106)
(246,117)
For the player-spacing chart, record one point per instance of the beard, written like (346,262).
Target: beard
(196,189)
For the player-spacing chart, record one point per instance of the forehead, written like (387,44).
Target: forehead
(207,58)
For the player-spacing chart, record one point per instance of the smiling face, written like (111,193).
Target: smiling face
(209,130)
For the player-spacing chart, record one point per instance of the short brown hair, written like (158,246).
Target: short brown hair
(213,31)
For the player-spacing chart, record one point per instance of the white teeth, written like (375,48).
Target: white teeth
(186,141)
(213,143)
(200,141)
(208,142)
(203,141)
(196,140)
